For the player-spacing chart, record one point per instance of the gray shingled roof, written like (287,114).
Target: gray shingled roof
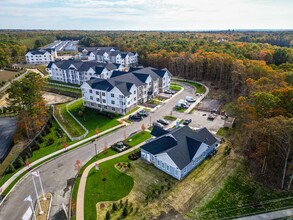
(149,71)
(184,145)
(82,66)
(41,51)
(108,85)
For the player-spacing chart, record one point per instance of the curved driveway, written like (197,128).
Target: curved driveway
(58,174)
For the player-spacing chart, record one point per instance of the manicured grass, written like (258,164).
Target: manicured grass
(175,87)
(133,110)
(63,90)
(71,126)
(154,101)
(239,196)
(199,88)
(92,119)
(114,173)
(106,184)
(138,138)
(57,145)
(170,118)
(224,132)
(179,109)
(63,83)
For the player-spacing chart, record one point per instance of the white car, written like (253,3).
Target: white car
(189,99)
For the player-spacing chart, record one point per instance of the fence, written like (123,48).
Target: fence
(63,85)
(66,132)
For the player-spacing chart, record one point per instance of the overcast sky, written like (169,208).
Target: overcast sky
(146,14)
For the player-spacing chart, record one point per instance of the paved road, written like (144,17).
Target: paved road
(270,215)
(7,130)
(58,175)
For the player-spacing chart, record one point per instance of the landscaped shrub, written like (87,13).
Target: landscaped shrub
(108,215)
(36,146)
(114,206)
(135,155)
(18,163)
(50,142)
(41,139)
(10,169)
(125,212)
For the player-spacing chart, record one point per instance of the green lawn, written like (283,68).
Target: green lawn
(62,90)
(138,138)
(224,132)
(175,87)
(57,145)
(63,83)
(239,196)
(179,109)
(111,189)
(71,126)
(199,88)
(133,110)
(170,118)
(92,119)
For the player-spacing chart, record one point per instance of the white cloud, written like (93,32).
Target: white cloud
(149,14)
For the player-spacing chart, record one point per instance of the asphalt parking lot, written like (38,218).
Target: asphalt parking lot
(200,120)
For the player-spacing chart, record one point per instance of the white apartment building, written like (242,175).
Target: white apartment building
(108,54)
(124,90)
(42,56)
(77,72)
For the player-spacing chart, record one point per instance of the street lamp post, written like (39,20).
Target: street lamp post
(96,151)
(150,121)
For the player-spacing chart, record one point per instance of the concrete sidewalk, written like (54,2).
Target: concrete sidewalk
(82,183)
(16,175)
(270,215)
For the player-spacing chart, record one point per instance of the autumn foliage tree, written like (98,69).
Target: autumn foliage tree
(26,97)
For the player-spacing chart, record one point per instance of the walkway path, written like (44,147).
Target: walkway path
(82,183)
(270,215)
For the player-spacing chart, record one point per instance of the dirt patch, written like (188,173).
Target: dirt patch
(209,105)
(53,98)
(6,75)
(50,99)
(3,102)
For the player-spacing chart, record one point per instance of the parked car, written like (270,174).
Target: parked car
(189,99)
(143,113)
(135,117)
(187,121)
(158,124)
(163,121)
(212,116)
(169,91)
(182,105)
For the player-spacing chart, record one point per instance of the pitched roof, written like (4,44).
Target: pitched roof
(116,73)
(80,49)
(187,144)
(142,77)
(129,77)
(114,53)
(149,71)
(82,66)
(157,131)
(100,84)
(40,52)
(106,48)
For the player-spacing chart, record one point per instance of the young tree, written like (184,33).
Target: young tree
(77,165)
(108,215)
(143,127)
